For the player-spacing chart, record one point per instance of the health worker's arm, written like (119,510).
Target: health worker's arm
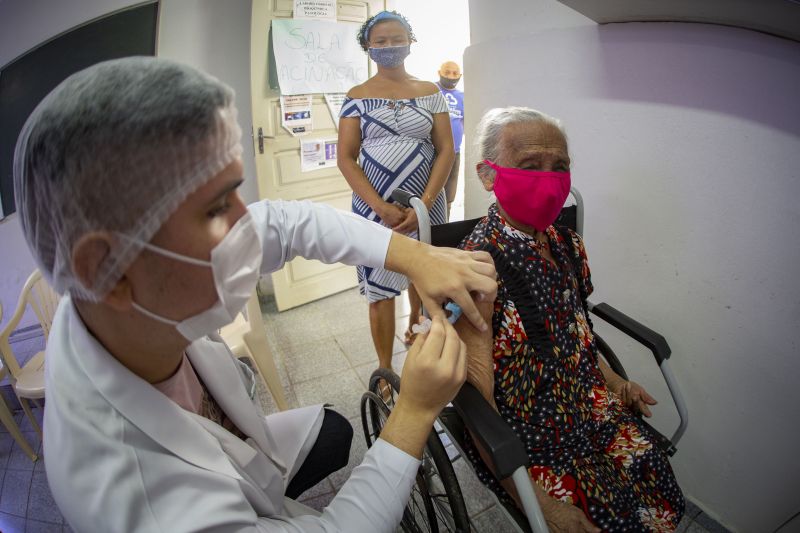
(372,499)
(318,231)
(377,491)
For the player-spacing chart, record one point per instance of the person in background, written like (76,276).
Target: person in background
(449,76)
(126,179)
(394,132)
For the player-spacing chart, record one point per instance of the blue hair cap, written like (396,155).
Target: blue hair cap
(384,15)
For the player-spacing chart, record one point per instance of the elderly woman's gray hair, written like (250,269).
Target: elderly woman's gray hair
(116,148)
(491,127)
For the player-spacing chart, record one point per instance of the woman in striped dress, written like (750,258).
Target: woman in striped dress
(398,128)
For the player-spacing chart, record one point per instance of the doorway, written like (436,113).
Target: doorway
(442,32)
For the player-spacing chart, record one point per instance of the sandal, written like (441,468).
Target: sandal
(385,390)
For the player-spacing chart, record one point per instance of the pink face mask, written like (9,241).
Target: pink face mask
(531,197)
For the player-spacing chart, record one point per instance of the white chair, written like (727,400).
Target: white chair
(28,381)
(8,419)
(247,337)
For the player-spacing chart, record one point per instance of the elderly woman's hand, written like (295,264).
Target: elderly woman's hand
(636,398)
(566,517)
(631,393)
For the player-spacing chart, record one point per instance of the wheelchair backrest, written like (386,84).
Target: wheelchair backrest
(451,234)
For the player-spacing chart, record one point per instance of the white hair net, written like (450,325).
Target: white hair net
(117,147)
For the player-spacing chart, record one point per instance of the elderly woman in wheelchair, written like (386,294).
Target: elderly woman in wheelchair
(593,460)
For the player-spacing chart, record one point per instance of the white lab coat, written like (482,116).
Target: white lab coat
(121,456)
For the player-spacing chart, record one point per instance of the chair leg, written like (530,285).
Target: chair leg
(13,428)
(26,406)
(261,354)
(274,383)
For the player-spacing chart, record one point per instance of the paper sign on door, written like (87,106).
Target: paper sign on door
(317,153)
(296,114)
(314,9)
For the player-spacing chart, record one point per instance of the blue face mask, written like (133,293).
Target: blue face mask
(390,56)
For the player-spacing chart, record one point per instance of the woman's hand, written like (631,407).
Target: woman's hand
(630,393)
(566,517)
(408,224)
(391,214)
(636,398)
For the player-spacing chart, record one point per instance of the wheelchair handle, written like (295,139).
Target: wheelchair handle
(402,197)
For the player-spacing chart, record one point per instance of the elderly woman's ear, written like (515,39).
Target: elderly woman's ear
(486,174)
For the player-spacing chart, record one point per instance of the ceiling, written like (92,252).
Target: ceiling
(777,17)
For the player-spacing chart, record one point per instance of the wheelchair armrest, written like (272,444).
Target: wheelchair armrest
(493,433)
(655,342)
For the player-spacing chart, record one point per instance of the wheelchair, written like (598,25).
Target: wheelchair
(436,502)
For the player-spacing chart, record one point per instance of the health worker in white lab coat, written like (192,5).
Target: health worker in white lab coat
(126,181)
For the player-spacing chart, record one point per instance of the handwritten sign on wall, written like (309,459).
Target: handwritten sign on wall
(317,56)
(314,9)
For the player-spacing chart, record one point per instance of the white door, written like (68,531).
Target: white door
(278,155)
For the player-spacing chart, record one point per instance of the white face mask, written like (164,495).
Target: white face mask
(235,264)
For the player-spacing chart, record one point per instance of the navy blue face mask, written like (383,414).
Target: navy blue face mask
(390,56)
(448,83)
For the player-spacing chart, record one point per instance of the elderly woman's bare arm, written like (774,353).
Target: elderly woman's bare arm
(480,364)
(614,381)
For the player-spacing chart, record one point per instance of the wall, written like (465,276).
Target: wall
(215,37)
(686,147)
(211,35)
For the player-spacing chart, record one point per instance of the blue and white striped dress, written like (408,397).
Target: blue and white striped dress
(396,151)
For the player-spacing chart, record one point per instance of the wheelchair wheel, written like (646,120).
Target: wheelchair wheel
(436,503)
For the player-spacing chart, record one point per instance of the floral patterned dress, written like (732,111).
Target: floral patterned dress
(586,448)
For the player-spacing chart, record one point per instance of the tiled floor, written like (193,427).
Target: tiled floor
(324,354)
(25,500)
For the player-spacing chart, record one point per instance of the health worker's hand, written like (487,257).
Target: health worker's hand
(440,274)
(434,370)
